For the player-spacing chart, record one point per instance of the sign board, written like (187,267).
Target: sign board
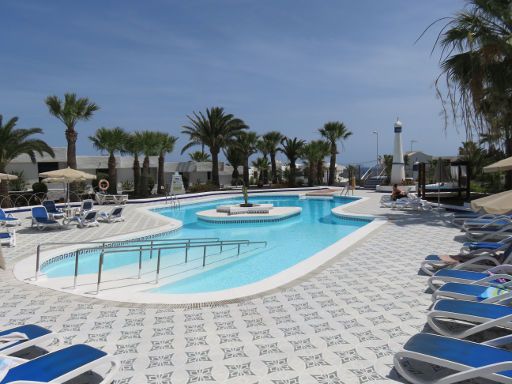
(177,187)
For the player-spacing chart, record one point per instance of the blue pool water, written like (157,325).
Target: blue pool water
(288,242)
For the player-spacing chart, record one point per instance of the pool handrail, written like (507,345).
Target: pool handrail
(161,244)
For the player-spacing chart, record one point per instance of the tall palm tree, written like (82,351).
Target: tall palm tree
(261,164)
(150,142)
(215,130)
(166,144)
(324,149)
(246,143)
(111,140)
(18,141)
(199,156)
(476,69)
(272,140)
(70,111)
(333,132)
(133,146)
(292,149)
(310,154)
(234,158)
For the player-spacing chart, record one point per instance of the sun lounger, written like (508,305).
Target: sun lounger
(52,210)
(487,245)
(496,223)
(486,233)
(469,360)
(8,219)
(12,340)
(499,274)
(87,205)
(474,292)
(478,259)
(460,219)
(41,219)
(102,198)
(8,238)
(61,366)
(116,214)
(476,317)
(86,219)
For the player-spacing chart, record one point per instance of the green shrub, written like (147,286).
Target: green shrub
(198,188)
(39,187)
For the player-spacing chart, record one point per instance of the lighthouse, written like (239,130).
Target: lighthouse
(398,170)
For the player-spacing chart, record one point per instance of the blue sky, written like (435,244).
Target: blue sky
(279,65)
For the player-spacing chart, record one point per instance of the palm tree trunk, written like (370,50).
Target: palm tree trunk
(136,174)
(215,167)
(161,182)
(274,167)
(246,172)
(311,173)
(332,165)
(320,172)
(71,137)
(144,184)
(291,182)
(235,175)
(112,174)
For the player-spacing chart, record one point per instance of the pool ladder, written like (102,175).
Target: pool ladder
(173,201)
(154,246)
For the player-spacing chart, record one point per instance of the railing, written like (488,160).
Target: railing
(153,245)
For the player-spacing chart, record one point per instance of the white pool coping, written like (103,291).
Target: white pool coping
(25,269)
(275,214)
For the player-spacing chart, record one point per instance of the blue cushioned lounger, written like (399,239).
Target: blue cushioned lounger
(470,360)
(41,219)
(477,259)
(472,292)
(8,218)
(35,334)
(478,316)
(61,366)
(462,276)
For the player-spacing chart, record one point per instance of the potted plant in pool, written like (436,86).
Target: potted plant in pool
(246,198)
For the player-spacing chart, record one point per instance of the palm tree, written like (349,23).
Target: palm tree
(292,149)
(166,144)
(272,140)
(215,130)
(133,146)
(112,141)
(150,144)
(324,149)
(261,164)
(246,143)
(311,155)
(476,69)
(199,156)
(17,141)
(70,112)
(333,132)
(234,158)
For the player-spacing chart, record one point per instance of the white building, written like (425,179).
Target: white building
(193,172)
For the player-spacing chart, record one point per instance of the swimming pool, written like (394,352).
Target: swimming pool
(289,242)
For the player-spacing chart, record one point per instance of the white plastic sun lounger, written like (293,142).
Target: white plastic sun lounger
(116,214)
(59,366)
(501,273)
(34,335)
(476,260)
(469,360)
(489,233)
(477,317)
(474,292)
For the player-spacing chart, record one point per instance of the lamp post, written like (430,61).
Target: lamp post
(377,134)
(412,142)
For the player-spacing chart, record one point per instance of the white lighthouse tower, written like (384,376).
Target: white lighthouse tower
(398,170)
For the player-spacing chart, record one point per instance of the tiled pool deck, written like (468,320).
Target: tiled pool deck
(341,324)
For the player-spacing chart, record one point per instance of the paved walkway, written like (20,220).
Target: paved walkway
(341,324)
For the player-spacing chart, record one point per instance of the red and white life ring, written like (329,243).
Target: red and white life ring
(103,184)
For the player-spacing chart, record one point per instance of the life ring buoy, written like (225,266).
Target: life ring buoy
(103,184)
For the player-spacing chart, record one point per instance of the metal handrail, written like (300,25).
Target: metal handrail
(148,245)
(108,245)
(220,243)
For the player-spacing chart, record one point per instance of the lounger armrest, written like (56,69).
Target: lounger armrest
(476,372)
(499,341)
